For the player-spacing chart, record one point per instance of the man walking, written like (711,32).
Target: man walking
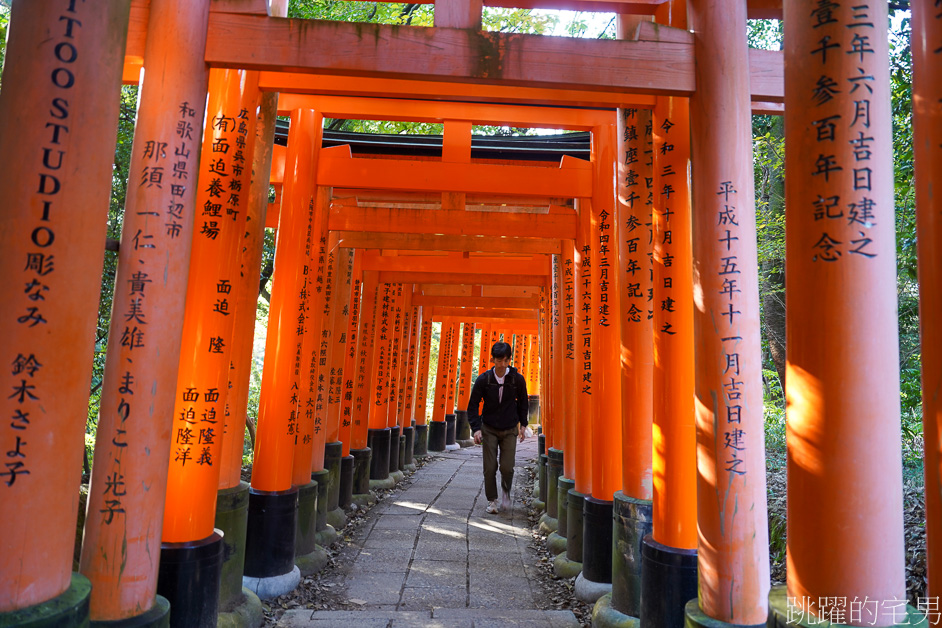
(500,423)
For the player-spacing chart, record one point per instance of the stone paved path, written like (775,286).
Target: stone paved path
(430,556)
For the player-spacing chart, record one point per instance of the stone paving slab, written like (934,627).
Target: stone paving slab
(430,557)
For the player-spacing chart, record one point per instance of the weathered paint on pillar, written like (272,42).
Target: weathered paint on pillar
(365,351)
(279,398)
(606,358)
(585,375)
(467,358)
(310,322)
(349,390)
(61,80)
(733,548)
(635,198)
(246,287)
(674,429)
(203,374)
(927,128)
(845,524)
(129,477)
(571,367)
(422,374)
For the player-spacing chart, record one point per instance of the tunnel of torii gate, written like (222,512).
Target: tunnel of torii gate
(623,270)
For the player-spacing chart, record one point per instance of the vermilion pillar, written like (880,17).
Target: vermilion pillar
(733,555)
(203,374)
(365,348)
(212,298)
(339,323)
(397,324)
(129,477)
(59,110)
(359,433)
(379,392)
(570,371)
(927,124)
(463,428)
(273,499)
(437,440)
(674,497)
(350,355)
(406,359)
(632,504)
(422,373)
(845,527)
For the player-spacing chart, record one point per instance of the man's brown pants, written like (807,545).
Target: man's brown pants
(506,441)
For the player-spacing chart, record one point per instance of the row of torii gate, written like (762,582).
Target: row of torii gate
(643,293)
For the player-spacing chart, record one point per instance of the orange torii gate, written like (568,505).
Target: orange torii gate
(659,69)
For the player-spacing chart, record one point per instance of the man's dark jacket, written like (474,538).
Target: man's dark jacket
(513,407)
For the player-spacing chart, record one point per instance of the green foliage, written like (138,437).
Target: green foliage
(4,24)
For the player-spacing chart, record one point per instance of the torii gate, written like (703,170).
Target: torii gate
(834,465)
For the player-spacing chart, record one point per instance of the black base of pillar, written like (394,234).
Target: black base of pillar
(781,617)
(541,475)
(323,489)
(269,535)
(157,617)
(533,409)
(232,509)
(379,462)
(576,504)
(541,443)
(462,427)
(189,579)
(408,433)
(632,521)
(402,452)
(695,618)
(451,426)
(306,523)
(361,470)
(332,454)
(436,436)
(668,582)
(393,449)
(563,486)
(345,497)
(420,443)
(597,540)
(554,469)
(68,610)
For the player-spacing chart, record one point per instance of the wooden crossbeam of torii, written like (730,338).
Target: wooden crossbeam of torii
(438,242)
(479,313)
(461,56)
(468,267)
(512,325)
(507,303)
(477,290)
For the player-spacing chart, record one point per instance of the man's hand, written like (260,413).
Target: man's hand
(477,437)
(523,432)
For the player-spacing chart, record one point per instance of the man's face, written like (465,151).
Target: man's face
(500,364)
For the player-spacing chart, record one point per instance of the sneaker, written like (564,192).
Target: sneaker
(505,502)
(492,507)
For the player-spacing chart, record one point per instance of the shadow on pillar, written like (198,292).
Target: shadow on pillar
(408,458)
(309,556)
(333,452)
(189,579)
(463,429)
(269,543)
(420,441)
(596,577)
(533,409)
(569,564)
(556,542)
(436,436)
(345,498)
(554,468)
(68,610)
(668,582)
(451,430)
(393,449)
(237,605)
(632,521)
(379,463)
